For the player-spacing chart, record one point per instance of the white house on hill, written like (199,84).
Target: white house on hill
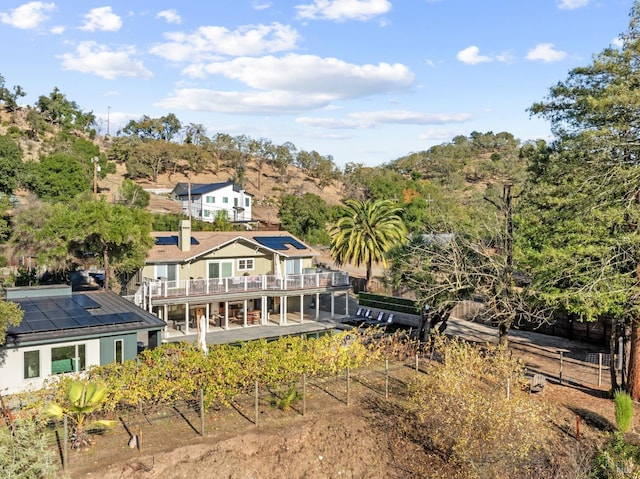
(204,201)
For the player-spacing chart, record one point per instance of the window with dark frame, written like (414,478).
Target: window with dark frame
(119,351)
(31,364)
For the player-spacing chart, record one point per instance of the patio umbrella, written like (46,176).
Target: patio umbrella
(277,269)
(202,329)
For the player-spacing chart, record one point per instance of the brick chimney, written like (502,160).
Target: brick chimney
(184,235)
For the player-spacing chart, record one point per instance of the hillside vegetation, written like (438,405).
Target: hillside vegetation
(442,185)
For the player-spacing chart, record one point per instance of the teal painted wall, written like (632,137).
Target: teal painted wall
(108,348)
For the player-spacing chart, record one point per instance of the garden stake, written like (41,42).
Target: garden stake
(386,379)
(65,440)
(348,390)
(304,393)
(201,412)
(257,409)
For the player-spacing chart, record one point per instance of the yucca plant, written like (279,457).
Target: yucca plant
(623,410)
(285,400)
(82,399)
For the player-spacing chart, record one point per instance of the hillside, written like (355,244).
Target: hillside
(266,197)
(446,183)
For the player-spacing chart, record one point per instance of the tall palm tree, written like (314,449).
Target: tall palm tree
(365,232)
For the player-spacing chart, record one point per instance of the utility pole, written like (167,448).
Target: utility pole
(95,160)
(108,112)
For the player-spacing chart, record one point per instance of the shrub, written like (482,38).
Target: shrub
(25,453)
(623,410)
(617,460)
(472,420)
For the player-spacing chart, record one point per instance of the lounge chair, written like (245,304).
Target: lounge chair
(359,312)
(377,321)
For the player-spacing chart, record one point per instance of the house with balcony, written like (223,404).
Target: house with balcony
(205,201)
(234,279)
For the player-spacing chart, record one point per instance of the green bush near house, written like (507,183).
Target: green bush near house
(623,411)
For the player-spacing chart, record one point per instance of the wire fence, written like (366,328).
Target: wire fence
(589,369)
(139,426)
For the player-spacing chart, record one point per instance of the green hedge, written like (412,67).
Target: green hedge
(390,303)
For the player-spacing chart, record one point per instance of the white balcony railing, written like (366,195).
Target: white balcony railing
(214,286)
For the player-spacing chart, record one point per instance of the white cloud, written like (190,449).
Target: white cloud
(617,42)
(572,4)
(101,19)
(471,56)
(90,57)
(291,84)
(256,5)
(342,10)
(260,102)
(370,119)
(440,135)
(410,117)
(546,53)
(170,16)
(58,30)
(313,74)
(209,41)
(27,16)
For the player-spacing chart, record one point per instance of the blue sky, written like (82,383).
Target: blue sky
(365,81)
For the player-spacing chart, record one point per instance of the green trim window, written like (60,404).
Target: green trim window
(220,269)
(210,199)
(247,202)
(118,351)
(31,364)
(67,359)
(225,199)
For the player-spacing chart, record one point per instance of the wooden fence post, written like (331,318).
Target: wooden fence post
(348,387)
(560,374)
(304,393)
(386,379)
(257,405)
(599,369)
(65,442)
(202,412)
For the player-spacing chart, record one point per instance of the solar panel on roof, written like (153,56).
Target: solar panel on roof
(167,241)
(22,328)
(66,303)
(41,325)
(172,241)
(64,323)
(87,321)
(46,305)
(85,301)
(279,243)
(56,314)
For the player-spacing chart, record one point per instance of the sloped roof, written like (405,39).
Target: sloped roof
(197,189)
(203,242)
(87,314)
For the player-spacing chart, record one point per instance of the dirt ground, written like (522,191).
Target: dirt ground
(331,440)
